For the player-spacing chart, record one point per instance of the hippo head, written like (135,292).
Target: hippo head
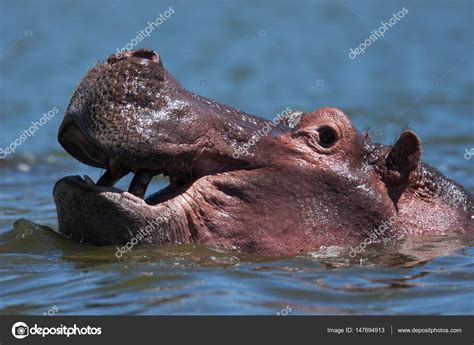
(236,180)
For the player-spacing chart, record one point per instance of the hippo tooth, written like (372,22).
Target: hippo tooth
(88,181)
(115,168)
(112,175)
(140,183)
(106,179)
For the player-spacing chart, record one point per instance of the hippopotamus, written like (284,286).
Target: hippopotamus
(237,181)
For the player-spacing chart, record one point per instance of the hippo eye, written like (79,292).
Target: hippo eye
(327,136)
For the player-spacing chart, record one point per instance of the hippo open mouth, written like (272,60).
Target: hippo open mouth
(237,181)
(129,115)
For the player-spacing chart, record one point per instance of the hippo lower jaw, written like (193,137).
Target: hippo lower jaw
(102,215)
(106,215)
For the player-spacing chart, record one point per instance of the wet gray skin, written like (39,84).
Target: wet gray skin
(317,184)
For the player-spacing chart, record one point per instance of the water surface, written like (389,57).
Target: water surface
(262,58)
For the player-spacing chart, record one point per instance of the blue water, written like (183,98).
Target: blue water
(261,57)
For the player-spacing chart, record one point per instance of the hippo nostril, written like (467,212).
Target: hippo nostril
(147,54)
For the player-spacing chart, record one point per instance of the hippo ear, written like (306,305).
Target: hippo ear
(404,156)
(366,137)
